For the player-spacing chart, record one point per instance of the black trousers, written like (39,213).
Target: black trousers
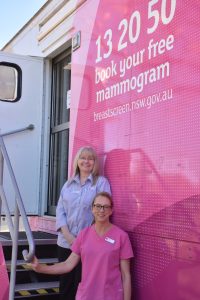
(69,281)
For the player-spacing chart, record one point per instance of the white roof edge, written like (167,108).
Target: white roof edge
(25,25)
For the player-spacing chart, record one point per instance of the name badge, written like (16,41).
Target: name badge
(109,240)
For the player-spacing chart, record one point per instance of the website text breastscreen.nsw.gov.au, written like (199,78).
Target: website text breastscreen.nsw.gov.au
(142,103)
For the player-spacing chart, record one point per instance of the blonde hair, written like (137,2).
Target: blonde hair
(95,171)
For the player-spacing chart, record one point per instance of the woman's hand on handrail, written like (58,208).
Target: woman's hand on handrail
(57,268)
(35,265)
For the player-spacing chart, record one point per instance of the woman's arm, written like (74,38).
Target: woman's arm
(68,236)
(126,278)
(61,219)
(58,268)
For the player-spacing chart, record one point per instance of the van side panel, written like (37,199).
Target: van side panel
(135,98)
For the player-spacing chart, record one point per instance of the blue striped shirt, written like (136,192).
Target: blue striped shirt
(74,205)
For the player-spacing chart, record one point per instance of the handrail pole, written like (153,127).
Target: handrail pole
(29,127)
(7,212)
(14,254)
(30,255)
(19,209)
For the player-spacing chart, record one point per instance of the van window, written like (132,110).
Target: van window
(10,82)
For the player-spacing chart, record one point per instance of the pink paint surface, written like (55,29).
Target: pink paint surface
(148,135)
(4,289)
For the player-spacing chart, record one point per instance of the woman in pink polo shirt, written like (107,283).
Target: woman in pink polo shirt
(105,252)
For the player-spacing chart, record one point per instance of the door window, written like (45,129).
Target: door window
(60,117)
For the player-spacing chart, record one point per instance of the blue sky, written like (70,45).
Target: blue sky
(14,14)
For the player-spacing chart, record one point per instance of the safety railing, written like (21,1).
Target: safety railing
(19,212)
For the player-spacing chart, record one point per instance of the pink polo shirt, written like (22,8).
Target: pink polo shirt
(101,255)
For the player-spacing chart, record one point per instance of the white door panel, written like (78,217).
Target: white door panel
(24,148)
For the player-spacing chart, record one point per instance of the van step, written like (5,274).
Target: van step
(29,284)
(22,265)
(36,286)
(37,235)
(30,290)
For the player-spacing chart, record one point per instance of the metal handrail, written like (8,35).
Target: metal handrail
(19,210)
(29,127)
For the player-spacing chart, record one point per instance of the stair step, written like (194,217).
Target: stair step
(42,250)
(25,274)
(23,265)
(39,290)
(36,285)
(30,276)
(29,284)
(40,238)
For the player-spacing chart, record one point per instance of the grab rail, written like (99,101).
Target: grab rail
(29,127)
(19,210)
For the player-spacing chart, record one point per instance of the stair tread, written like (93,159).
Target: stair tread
(29,284)
(41,260)
(5,242)
(36,285)
(37,235)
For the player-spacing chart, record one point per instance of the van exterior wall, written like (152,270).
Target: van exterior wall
(49,32)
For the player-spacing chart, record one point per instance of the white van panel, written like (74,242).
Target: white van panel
(24,148)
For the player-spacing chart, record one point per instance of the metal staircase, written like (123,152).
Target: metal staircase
(20,247)
(28,284)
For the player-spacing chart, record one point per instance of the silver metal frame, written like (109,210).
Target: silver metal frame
(19,211)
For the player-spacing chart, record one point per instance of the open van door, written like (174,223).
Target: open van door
(21,106)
